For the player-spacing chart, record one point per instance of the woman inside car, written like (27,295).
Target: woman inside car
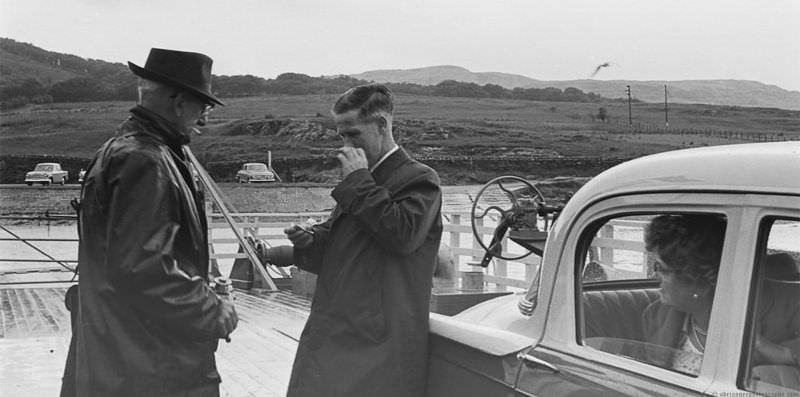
(686,250)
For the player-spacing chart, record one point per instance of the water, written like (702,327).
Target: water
(784,236)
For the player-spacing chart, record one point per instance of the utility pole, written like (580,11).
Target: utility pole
(630,117)
(666,108)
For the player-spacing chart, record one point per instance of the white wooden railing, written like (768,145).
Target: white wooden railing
(223,245)
(458,235)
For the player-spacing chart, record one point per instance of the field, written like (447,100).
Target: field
(299,127)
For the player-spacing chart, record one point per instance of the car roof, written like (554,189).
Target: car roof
(254,164)
(48,163)
(754,167)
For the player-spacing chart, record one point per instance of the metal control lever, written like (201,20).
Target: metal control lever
(532,361)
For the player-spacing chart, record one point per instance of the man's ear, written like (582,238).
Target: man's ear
(382,123)
(178,104)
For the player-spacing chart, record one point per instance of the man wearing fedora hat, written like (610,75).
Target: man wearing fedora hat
(147,323)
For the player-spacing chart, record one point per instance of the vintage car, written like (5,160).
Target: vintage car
(254,172)
(577,330)
(46,174)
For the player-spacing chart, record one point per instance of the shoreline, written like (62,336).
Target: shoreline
(25,204)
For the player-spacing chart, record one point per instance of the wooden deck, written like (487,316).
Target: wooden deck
(35,332)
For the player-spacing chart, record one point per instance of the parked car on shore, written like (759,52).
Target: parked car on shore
(46,174)
(578,329)
(254,172)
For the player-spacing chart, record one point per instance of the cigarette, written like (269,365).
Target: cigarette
(306,229)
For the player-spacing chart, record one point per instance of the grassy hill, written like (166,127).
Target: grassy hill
(35,75)
(436,74)
(720,92)
(717,92)
(470,140)
(17,68)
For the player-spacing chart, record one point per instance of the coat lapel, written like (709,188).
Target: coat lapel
(388,167)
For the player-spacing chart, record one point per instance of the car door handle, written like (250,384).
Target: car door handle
(531,361)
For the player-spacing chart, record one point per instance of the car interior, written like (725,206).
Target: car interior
(618,283)
(776,318)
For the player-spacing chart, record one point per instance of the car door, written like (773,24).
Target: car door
(593,342)
(765,348)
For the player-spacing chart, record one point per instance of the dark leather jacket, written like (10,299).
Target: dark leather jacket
(148,324)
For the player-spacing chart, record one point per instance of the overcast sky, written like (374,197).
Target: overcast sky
(546,40)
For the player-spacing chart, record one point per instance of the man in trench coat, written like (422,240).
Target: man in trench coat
(367,334)
(146,323)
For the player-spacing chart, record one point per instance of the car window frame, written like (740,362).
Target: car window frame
(762,217)
(564,337)
(585,243)
(754,207)
(586,237)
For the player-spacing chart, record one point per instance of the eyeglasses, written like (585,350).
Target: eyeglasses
(207,108)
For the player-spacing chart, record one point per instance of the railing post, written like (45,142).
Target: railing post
(212,262)
(607,253)
(455,238)
(475,244)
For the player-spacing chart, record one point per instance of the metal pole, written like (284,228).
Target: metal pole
(666,108)
(630,117)
(269,165)
(248,249)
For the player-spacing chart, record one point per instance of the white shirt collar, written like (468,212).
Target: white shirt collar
(385,156)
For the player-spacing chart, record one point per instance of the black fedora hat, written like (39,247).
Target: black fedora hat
(189,71)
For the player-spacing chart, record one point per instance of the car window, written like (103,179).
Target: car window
(617,251)
(44,168)
(772,359)
(257,167)
(646,287)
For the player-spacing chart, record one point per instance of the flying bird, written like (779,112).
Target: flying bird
(600,66)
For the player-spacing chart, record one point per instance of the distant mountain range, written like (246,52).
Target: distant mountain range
(715,92)
(39,75)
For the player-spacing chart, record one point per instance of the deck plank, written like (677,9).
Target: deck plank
(35,332)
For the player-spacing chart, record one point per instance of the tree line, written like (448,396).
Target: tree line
(94,80)
(38,76)
(300,84)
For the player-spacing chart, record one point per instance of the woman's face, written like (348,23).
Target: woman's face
(675,291)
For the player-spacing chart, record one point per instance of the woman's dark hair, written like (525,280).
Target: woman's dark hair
(689,244)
